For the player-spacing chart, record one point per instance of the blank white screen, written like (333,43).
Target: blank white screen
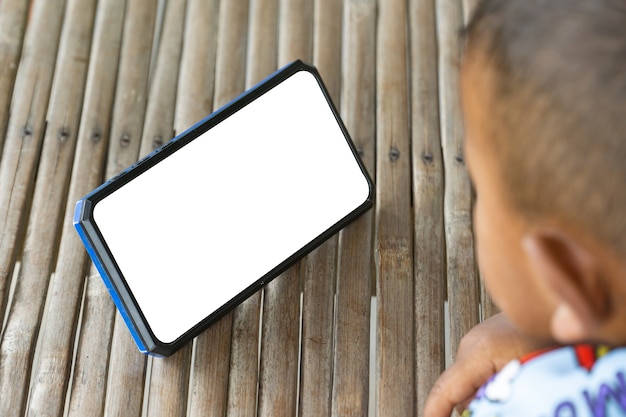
(202,225)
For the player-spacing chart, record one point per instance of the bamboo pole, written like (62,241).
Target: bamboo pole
(428,189)
(281,303)
(127,367)
(320,267)
(244,354)
(394,242)
(463,286)
(351,375)
(209,382)
(13,14)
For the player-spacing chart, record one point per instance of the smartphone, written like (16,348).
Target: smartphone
(200,224)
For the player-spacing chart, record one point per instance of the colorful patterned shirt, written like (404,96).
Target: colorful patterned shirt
(571,381)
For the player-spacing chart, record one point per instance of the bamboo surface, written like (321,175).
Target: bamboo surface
(87,87)
(428,191)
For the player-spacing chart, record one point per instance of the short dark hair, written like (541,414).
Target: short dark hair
(559,86)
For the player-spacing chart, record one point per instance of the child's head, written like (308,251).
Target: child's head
(544,98)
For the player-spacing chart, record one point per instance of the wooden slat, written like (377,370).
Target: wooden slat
(281,307)
(212,356)
(12,25)
(463,286)
(196,84)
(169,384)
(125,381)
(468,8)
(428,188)
(230,64)
(243,375)
(327,44)
(244,357)
(295,39)
(131,94)
(168,388)
(487,304)
(158,127)
(489,308)
(262,40)
(88,387)
(194,101)
(394,249)
(169,377)
(317,330)
(209,382)
(320,267)
(25,134)
(126,373)
(49,201)
(354,275)
(279,346)
(54,349)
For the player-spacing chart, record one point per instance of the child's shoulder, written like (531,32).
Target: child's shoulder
(572,381)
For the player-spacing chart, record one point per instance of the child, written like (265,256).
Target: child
(543,86)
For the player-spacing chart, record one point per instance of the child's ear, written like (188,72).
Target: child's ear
(573,279)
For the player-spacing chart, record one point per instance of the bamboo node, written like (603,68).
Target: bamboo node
(27,130)
(394,154)
(64,133)
(157,141)
(125,140)
(96,135)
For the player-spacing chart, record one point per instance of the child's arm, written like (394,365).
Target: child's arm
(482,352)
